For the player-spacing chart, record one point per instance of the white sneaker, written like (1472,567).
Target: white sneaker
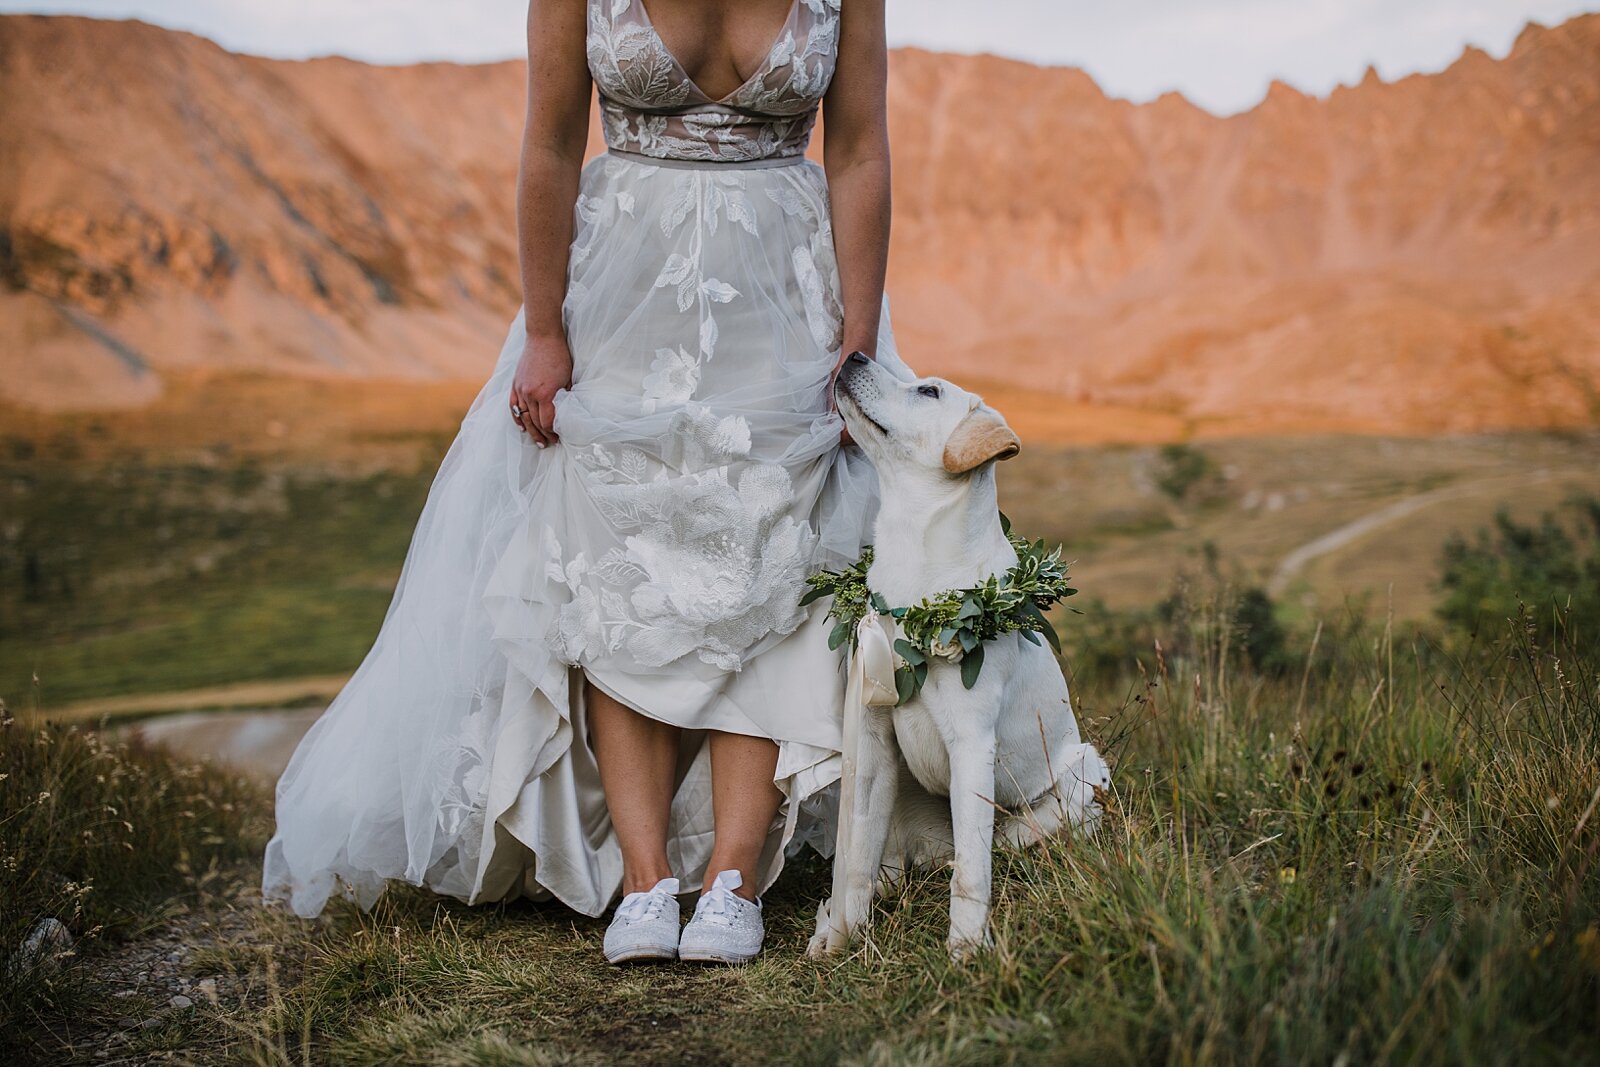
(645,926)
(726,928)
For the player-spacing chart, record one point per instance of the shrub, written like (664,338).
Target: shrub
(1547,566)
(1241,621)
(1186,474)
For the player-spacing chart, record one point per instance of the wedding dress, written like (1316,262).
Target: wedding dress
(660,548)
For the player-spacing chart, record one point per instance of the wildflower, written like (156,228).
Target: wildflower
(1286,875)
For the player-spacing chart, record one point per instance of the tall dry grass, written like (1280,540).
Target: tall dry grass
(103,837)
(1385,856)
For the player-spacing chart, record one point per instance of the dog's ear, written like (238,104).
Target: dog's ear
(981,436)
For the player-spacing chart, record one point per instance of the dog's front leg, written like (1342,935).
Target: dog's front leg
(838,920)
(972,818)
(875,808)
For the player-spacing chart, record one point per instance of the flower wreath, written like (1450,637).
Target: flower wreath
(955,623)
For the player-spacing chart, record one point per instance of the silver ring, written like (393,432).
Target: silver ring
(516,411)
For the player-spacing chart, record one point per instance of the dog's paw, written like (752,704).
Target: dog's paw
(825,943)
(965,946)
(827,940)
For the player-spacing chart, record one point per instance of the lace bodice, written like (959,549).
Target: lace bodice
(650,105)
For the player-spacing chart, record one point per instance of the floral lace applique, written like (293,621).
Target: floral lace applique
(629,58)
(711,561)
(674,376)
(703,198)
(815,265)
(464,768)
(650,105)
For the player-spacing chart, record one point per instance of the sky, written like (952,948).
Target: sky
(1222,54)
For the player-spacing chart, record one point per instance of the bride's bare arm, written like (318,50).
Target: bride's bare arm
(553,142)
(856,156)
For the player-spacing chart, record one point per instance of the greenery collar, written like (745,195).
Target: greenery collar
(955,623)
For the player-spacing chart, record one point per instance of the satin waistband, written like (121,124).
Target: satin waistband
(707,164)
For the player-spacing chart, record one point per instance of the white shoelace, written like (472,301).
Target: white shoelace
(637,907)
(720,904)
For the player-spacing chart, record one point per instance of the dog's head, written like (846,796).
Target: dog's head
(926,423)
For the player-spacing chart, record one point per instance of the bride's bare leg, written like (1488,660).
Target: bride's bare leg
(637,757)
(744,801)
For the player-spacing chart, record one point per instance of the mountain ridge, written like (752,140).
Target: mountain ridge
(1417,256)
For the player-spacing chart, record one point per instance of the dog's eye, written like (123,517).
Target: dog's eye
(929,391)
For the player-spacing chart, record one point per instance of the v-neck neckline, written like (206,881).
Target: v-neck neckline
(761,69)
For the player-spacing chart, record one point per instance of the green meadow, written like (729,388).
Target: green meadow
(1355,813)
(145,576)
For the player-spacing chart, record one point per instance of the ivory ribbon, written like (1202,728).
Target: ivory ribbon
(870,683)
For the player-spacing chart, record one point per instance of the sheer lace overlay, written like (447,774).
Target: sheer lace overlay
(650,105)
(658,550)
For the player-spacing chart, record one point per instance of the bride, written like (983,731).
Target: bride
(595,677)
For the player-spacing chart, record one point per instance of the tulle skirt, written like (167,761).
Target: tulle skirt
(660,550)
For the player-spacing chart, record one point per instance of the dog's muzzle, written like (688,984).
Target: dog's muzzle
(849,377)
(857,380)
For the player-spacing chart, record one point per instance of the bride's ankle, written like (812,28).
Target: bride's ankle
(644,879)
(747,885)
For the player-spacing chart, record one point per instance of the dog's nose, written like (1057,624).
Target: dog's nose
(858,357)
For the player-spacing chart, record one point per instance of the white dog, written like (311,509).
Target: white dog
(1007,748)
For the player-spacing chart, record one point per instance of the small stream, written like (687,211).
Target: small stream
(256,741)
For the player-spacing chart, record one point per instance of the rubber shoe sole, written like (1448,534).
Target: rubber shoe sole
(644,954)
(714,956)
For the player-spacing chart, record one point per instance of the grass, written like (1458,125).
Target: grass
(122,574)
(1258,499)
(107,838)
(1376,847)
(1385,857)
(132,578)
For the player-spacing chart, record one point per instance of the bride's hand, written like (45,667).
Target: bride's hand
(545,368)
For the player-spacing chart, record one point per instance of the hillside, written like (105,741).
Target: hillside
(1415,257)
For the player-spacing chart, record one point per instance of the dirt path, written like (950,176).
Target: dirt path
(1339,537)
(285,692)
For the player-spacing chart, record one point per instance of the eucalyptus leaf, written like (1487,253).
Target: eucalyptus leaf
(837,637)
(971,664)
(905,684)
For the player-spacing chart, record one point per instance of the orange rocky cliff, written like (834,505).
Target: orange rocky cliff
(1415,257)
